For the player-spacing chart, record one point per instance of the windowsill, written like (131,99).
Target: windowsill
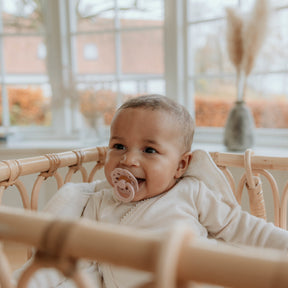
(27,148)
(54,146)
(258,150)
(272,142)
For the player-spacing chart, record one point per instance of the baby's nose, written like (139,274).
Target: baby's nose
(130,158)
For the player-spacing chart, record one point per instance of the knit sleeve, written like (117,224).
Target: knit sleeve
(70,200)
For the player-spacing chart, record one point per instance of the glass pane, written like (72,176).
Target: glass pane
(142,52)
(275,47)
(95,53)
(97,105)
(247,5)
(25,55)
(98,101)
(266,93)
(29,105)
(22,16)
(278,3)
(141,13)
(208,50)
(200,10)
(95,15)
(4,108)
(142,86)
(213,99)
(267,97)
(156,86)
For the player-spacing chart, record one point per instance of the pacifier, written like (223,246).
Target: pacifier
(125,184)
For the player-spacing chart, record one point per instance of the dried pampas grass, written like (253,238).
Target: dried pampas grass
(245,36)
(254,32)
(234,37)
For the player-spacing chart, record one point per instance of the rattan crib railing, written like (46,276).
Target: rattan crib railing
(48,166)
(175,259)
(44,167)
(255,167)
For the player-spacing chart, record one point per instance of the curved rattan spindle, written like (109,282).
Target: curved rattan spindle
(54,161)
(169,257)
(283,207)
(51,254)
(15,172)
(254,187)
(274,189)
(96,168)
(275,193)
(5,270)
(77,167)
(23,193)
(100,162)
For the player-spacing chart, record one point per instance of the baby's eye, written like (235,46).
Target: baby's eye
(119,146)
(150,150)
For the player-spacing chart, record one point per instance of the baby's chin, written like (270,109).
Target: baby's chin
(140,195)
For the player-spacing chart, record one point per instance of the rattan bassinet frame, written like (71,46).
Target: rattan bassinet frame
(189,259)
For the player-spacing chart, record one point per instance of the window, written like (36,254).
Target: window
(130,55)
(67,65)
(25,94)
(213,77)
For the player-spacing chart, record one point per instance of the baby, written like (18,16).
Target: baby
(149,185)
(151,138)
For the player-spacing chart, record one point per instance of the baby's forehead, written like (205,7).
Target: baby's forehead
(164,120)
(168,117)
(171,114)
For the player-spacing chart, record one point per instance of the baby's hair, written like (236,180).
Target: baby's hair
(160,102)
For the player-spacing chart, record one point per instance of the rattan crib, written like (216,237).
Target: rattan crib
(176,257)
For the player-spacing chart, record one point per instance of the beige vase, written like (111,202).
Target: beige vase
(240,128)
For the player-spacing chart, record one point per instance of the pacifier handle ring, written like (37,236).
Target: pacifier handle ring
(122,198)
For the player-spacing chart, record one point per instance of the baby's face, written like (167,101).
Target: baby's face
(149,144)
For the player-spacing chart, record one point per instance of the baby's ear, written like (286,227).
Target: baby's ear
(183,164)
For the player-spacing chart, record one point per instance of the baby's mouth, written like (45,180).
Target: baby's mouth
(140,180)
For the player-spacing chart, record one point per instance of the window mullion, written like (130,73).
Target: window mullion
(68,24)
(188,86)
(5,101)
(56,68)
(175,52)
(118,53)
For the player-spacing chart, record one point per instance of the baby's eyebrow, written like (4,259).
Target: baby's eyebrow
(118,138)
(151,142)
